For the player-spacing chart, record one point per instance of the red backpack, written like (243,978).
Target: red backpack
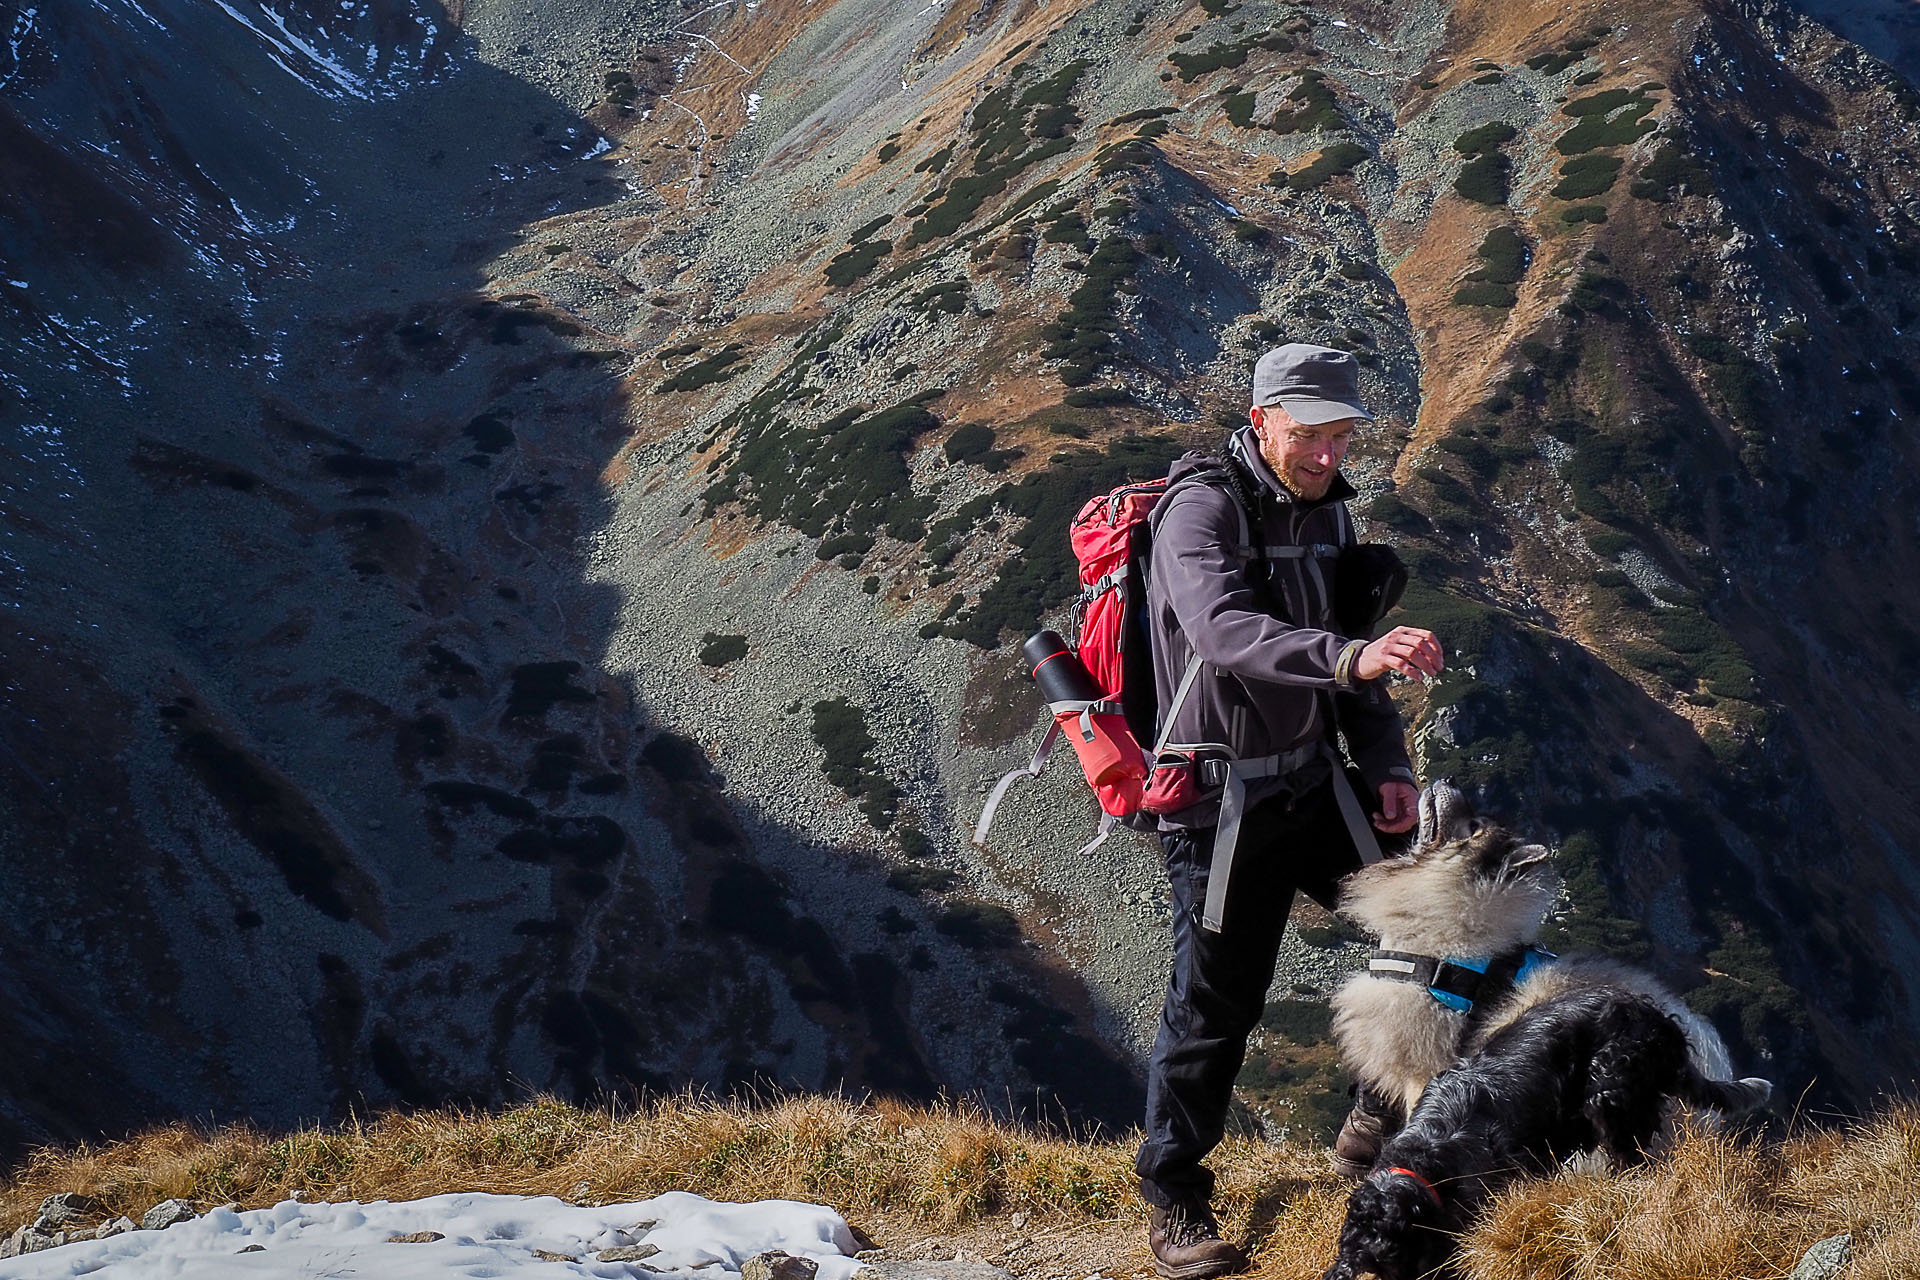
(1113,542)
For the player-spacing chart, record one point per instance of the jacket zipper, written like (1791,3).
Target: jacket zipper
(1309,612)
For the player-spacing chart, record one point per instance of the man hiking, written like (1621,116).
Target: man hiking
(1245,559)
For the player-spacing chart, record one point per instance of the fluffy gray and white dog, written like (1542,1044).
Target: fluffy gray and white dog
(1470,890)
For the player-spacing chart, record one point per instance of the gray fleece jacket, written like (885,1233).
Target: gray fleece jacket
(1276,670)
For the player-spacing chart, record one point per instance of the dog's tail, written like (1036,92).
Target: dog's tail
(1735,1097)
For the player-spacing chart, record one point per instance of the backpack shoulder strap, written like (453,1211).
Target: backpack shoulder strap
(1220,473)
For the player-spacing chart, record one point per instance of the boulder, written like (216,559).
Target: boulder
(416,1237)
(59,1212)
(627,1253)
(118,1226)
(28,1239)
(777,1264)
(165,1214)
(1825,1259)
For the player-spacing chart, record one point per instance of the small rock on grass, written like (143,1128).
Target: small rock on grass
(1825,1259)
(777,1264)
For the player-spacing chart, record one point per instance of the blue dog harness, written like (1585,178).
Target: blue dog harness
(1460,982)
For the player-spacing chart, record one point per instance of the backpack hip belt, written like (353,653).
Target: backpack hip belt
(1233,777)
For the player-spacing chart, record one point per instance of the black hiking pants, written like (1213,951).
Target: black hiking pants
(1218,988)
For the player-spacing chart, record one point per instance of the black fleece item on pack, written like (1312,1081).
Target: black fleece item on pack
(1368,580)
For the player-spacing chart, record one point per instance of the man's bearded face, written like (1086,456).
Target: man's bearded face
(1304,457)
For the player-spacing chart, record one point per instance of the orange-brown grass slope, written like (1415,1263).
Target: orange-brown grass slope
(1460,348)
(1720,1206)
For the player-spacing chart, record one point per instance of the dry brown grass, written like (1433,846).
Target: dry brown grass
(1719,1206)
(944,1166)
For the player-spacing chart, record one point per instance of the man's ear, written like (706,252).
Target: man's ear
(1253,416)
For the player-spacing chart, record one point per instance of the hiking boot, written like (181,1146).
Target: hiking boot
(1362,1133)
(1186,1244)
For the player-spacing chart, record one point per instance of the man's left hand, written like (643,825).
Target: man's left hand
(1399,808)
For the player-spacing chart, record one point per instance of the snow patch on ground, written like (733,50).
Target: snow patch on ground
(482,1235)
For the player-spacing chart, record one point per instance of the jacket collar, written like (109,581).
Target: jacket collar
(1244,448)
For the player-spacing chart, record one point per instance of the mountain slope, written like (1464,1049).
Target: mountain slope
(518,518)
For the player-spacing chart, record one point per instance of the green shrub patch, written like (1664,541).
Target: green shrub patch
(1596,292)
(1610,118)
(1069,228)
(1710,654)
(621,90)
(1396,513)
(1011,131)
(1505,252)
(1337,160)
(1301,1021)
(1083,334)
(1099,397)
(1129,153)
(1671,169)
(1472,450)
(718,650)
(949,298)
(973,443)
(1485,138)
(715,368)
(1135,117)
(840,730)
(1609,543)
(847,475)
(1583,213)
(978,925)
(1483,179)
(1316,110)
(856,261)
(919,880)
(1586,176)
(1216,57)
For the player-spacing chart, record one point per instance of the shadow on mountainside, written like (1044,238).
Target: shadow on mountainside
(315,795)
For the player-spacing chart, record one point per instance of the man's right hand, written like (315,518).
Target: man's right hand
(1408,650)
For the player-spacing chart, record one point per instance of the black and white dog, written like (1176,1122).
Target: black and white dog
(1592,1069)
(1461,913)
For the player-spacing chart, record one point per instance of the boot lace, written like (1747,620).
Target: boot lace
(1190,1225)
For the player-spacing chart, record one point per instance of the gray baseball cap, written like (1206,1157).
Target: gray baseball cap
(1314,384)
